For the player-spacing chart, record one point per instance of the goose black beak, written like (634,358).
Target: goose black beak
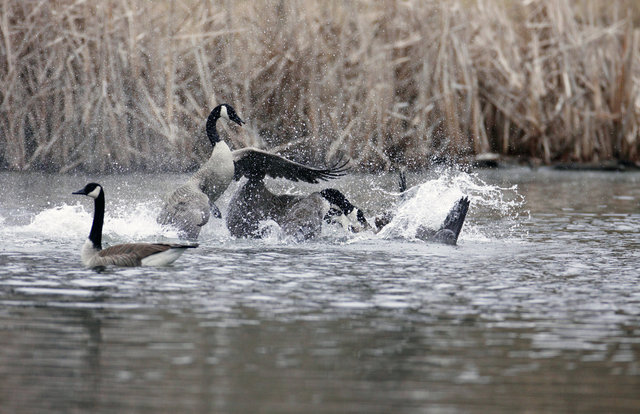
(80,192)
(235,118)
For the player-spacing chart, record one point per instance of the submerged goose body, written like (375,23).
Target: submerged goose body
(129,254)
(253,202)
(448,232)
(189,207)
(304,220)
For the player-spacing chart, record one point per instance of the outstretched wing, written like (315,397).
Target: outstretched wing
(255,163)
(456,216)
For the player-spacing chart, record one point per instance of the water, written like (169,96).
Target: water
(536,310)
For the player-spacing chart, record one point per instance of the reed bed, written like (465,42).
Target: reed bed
(121,85)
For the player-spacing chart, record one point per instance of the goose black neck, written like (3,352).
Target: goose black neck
(98,219)
(212,131)
(336,197)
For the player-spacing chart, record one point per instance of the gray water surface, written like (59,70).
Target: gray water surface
(536,310)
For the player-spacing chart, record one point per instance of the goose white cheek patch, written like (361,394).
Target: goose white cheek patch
(223,112)
(95,193)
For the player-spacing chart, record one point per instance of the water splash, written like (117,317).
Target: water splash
(72,222)
(428,204)
(494,214)
(138,223)
(60,222)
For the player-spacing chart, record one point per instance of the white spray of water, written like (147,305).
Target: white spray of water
(138,223)
(61,222)
(73,222)
(429,203)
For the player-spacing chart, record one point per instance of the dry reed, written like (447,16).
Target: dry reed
(117,85)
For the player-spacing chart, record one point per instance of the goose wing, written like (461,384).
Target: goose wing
(255,163)
(456,216)
(188,209)
(131,254)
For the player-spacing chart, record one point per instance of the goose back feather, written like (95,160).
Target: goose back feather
(133,254)
(186,209)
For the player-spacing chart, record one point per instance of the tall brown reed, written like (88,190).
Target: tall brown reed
(126,84)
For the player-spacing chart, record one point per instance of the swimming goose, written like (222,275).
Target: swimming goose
(130,254)
(189,207)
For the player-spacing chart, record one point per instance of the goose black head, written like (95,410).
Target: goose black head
(357,220)
(92,190)
(221,111)
(227,111)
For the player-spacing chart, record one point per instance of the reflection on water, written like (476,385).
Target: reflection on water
(537,309)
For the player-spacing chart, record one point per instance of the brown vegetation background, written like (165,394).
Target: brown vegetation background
(118,85)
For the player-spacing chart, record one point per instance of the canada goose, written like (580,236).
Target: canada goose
(253,202)
(130,254)
(189,207)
